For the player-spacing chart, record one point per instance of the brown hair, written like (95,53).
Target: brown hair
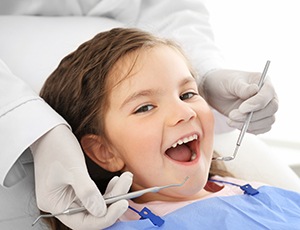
(78,88)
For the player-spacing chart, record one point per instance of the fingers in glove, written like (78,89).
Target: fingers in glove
(244,91)
(259,100)
(86,221)
(268,111)
(111,184)
(119,185)
(255,127)
(88,194)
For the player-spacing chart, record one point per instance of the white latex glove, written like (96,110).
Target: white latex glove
(235,94)
(62,181)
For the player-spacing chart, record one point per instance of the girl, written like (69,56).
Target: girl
(133,103)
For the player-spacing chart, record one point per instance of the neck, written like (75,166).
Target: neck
(148,197)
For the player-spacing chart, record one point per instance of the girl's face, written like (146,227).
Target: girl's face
(160,127)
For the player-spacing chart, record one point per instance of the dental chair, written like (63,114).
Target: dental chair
(32,48)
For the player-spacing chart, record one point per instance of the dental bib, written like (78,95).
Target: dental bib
(271,208)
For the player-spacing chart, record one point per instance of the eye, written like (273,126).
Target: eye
(187,95)
(144,108)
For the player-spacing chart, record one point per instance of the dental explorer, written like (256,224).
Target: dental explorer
(247,122)
(111,200)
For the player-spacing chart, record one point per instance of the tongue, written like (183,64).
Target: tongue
(180,153)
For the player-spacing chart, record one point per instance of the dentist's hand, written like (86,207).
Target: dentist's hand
(62,181)
(235,94)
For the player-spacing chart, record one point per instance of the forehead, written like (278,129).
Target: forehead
(146,59)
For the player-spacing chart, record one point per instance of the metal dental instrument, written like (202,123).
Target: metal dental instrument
(247,122)
(111,200)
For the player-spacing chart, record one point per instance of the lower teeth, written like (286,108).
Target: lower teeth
(193,157)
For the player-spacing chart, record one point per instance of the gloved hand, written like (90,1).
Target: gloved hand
(62,181)
(235,94)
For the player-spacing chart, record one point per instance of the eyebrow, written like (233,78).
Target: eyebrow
(151,92)
(142,93)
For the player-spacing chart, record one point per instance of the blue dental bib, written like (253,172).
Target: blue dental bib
(272,208)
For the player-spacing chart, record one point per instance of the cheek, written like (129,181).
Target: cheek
(206,117)
(131,142)
(207,123)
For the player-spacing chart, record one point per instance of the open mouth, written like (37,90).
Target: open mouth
(184,150)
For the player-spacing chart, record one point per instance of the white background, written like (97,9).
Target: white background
(250,32)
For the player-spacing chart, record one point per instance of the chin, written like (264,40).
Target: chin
(193,187)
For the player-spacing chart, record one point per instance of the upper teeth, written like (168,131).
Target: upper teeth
(185,140)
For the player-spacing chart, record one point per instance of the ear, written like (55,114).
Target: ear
(96,148)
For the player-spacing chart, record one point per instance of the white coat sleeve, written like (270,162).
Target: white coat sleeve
(24,117)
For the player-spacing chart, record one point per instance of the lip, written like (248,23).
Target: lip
(195,146)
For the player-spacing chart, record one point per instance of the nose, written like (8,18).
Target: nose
(180,112)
